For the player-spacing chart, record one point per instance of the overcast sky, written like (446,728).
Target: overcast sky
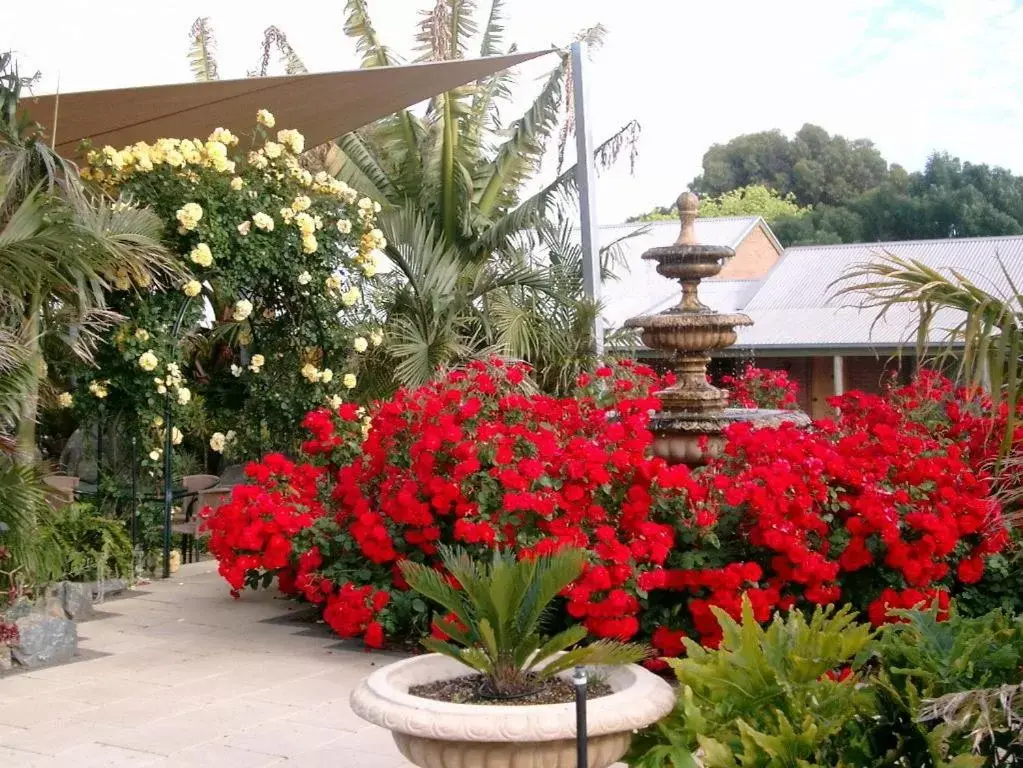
(912,75)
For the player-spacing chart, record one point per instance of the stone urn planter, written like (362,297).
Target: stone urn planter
(438,734)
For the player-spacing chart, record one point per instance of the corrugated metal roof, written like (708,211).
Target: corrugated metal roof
(796,306)
(720,295)
(638,288)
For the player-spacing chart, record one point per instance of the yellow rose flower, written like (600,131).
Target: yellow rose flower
(352,295)
(349,381)
(305,278)
(158,421)
(224,136)
(148,361)
(176,436)
(189,215)
(344,226)
(184,395)
(218,441)
(264,117)
(360,344)
(377,338)
(242,309)
(305,223)
(243,228)
(292,139)
(237,183)
(155,454)
(201,255)
(192,288)
(309,244)
(310,373)
(326,375)
(333,283)
(335,401)
(65,400)
(142,334)
(301,203)
(263,221)
(273,150)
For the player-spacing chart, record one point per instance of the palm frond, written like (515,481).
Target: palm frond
(202,50)
(531,212)
(599,653)
(356,164)
(518,157)
(359,27)
(982,327)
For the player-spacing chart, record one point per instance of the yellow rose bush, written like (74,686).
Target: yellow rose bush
(274,319)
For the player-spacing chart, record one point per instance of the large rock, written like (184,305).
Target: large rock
(76,599)
(108,588)
(44,640)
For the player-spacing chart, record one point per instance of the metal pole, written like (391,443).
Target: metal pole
(168,489)
(134,490)
(838,373)
(586,178)
(579,681)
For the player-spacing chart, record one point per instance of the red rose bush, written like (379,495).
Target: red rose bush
(884,507)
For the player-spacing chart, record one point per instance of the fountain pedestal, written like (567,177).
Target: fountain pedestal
(689,428)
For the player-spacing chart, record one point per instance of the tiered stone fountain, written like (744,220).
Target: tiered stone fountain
(690,427)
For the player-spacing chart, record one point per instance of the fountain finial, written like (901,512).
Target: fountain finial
(688,211)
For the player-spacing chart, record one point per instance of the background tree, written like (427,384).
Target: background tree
(754,200)
(815,167)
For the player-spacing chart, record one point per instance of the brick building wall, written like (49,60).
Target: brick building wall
(753,258)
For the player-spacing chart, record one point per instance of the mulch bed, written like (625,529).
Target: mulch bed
(466,690)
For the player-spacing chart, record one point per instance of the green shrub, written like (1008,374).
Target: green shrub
(954,687)
(774,696)
(93,547)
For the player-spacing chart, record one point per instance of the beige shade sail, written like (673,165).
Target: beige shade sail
(321,106)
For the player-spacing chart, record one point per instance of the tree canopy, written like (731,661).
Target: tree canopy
(844,191)
(754,200)
(813,166)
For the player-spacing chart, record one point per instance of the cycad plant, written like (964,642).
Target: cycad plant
(500,607)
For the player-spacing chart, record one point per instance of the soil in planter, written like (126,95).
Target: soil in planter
(466,690)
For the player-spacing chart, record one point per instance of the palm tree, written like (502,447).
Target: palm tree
(452,180)
(59,244)
(982,327)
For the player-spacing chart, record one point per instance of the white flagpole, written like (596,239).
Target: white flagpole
(586,178)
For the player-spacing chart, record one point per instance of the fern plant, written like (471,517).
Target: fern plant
(94,547)
(766,698)
(499,611)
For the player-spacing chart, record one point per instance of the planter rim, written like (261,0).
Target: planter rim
(639,699)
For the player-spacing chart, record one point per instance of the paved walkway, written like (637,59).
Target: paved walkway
(179,674)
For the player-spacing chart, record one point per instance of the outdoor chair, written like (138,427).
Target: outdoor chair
(63,489)
(189,528)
